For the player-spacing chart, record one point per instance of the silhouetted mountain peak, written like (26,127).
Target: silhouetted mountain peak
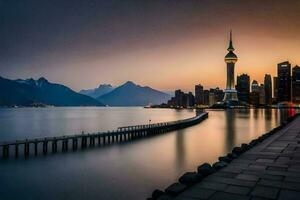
(41,82)
(131,94)
(104,85)
(129,83)
(99,91)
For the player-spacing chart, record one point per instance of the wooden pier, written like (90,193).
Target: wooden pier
(82,141)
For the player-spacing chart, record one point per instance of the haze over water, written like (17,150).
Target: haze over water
(121,171)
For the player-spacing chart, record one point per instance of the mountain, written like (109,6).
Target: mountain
(97,92)
(130,94)
(40,92)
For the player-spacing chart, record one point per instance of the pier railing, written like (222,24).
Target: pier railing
(83,141)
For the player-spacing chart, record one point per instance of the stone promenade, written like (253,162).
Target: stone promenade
(269,170)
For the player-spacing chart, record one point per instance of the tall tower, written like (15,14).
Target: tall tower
(230,92)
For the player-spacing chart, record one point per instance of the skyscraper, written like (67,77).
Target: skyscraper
(230,92)
(296,84)
(268,89)
(206,97)
(191,99)
(199,94)
(179,98)
(255,86)
(275,84)
(243,87)
(215,95)
(284,81)
(262,97)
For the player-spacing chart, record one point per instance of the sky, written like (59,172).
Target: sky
(164,44)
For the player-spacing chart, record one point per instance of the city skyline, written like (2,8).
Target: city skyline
(180,51)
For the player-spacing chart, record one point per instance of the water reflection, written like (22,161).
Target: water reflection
(230,129)
(129,171)
(180,149)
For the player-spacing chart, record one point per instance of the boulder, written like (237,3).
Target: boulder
(175,188)
(237,150)
(219,165)
(164,197)
(205,169)
(253,143)
(225,159)
(157,193)
(244,147)
(232,156)
(190,178)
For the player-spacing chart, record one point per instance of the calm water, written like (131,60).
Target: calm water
(122,171)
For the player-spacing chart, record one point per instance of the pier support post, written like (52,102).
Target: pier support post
(5,151)
(35,148)
(17,150)
(104,139)
(92,141)
(83,142)
(65,145)
(45,147)
(75,144)
(26,149)
(54,146)
(99,139)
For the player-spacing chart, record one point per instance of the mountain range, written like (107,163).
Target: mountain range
(131,94)
(32,92)
(99,91)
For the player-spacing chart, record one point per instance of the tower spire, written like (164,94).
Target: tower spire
(230,46)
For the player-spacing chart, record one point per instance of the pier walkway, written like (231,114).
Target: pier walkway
(269,170)
(82,141)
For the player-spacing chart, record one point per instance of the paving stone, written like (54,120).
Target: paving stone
(238,190)
(272,177)
(292,179)
(283,159)
(232,181)
(182,198)
(257,167)
(198,193)
(247,177)
(277,168)
(228,196)
(271,183)
(212,185)
(289,195)
(259,198)
(231,169)
(265,160)
(266,192)
(226,174)
(291,185)
(294,169)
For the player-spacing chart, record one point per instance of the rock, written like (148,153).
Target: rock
(219,165)
(164,197)
(175,188)
(225,159)
(190,178)
(260,138)
(232,156)
(205,169)
(264,136)
(244,147)
(253,143)
(157,193)
(237,150)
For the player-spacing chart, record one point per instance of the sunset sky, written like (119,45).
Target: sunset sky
(165,44)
